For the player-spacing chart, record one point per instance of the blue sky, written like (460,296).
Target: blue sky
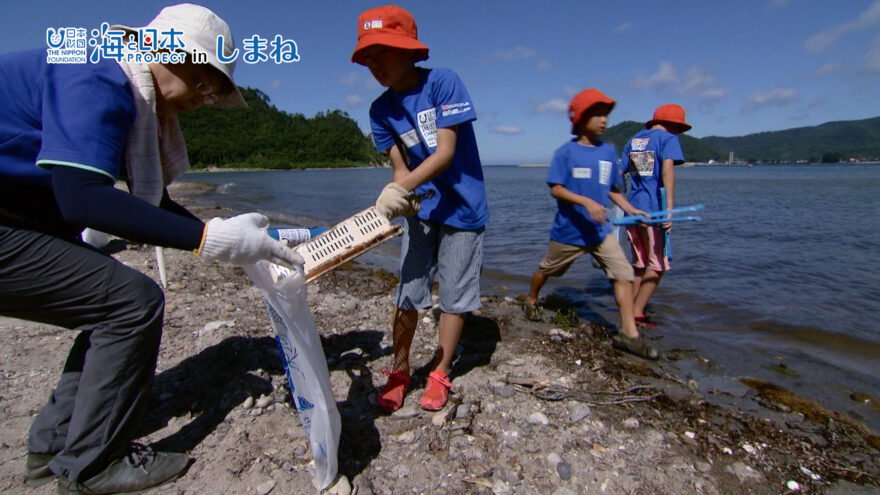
(737,67)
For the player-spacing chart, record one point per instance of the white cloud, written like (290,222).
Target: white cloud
(275,83)
(350,79)
(626,26)
(516,53)
(872,57)
(660,80)
(555,105)
(545,64)
(777,97)
(827,69)
(696,82)
(354,100)
(507,129)
(820,42)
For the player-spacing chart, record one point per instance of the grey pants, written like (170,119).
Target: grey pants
(94,411)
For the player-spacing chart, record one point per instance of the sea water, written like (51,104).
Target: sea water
(779,271)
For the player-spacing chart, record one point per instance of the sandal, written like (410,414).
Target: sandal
(391,397)
(533,312)
(635,346)
(436,392)
(645,321)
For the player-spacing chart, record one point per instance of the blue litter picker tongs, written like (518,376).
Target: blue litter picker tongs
(660,217)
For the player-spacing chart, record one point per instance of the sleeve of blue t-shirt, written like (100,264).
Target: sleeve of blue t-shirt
(451,100)
(558,172)
(616,172)
(383,137)
(87,115)
(672,150)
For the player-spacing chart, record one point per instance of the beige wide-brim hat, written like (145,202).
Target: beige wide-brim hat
(200,27)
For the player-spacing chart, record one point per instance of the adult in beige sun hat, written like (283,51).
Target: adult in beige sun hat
(200,27)
(69,132)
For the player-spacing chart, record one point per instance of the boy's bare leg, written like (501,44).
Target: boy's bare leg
(451,326)
(403,328)
(648,284)
(538,281)
(623,294)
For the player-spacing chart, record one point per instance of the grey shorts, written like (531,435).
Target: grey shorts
(560,257)
(455,256)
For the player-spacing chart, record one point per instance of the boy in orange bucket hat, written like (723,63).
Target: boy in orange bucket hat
(423,121)
(649,158)
(583,177)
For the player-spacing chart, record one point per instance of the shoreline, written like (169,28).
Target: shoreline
(537,408)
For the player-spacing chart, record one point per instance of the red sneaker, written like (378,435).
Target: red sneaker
(436,392)
(391,397)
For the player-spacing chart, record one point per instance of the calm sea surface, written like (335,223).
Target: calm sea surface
(780,271)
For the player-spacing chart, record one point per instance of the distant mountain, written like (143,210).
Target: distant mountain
(262,136)
(695,150)
(829,142)
(840,140)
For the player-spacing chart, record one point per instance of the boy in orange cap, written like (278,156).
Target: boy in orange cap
(423,121)
(583,176)
(649,158)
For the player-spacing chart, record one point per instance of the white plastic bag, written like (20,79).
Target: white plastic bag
(304,362)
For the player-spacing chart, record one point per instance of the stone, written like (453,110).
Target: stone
(538,418)
(265,487)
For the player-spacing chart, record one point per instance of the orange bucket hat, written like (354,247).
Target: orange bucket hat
(670,113)
(388,25)
(583,101)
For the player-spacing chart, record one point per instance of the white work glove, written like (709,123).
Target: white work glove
(243,240)
(395,201)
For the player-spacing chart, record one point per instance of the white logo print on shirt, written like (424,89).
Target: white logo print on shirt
(428,126)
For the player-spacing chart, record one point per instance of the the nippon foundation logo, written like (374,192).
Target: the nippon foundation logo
(76,45)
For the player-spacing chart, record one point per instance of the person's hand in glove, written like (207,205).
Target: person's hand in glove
(395,200)
(243,240)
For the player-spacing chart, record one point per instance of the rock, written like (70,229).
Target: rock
(538,418)
(266,487)
(578,411)
(505,391)
(263,402)
(341,487)
(564,470)
(406,412)
(405,437)
(463,411)
(630,423)
(501,488)
(793,486)
(248,403)
(214,325)
(553,458)
(744,473)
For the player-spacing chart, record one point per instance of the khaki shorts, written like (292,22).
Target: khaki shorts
(559,258)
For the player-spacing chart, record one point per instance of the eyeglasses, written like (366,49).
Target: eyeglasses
(207,93)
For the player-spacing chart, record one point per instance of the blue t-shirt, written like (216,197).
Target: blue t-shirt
(69,114)
(642,158)
(590,171)
(457,196)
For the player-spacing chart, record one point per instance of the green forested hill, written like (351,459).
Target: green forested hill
(831,141)
(261,136)
(695,150)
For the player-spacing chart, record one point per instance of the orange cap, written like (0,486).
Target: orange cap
(583,101)
(670,114)
(388,25)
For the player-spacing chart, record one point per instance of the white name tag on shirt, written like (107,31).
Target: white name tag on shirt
(410,138)
(604,172)
(582,173)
